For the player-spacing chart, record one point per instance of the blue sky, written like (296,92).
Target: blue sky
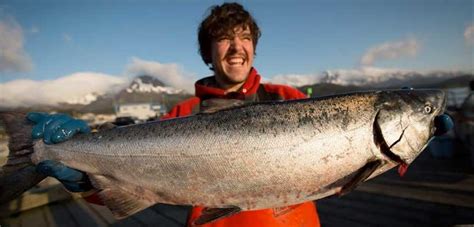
(298,37)
(60,38)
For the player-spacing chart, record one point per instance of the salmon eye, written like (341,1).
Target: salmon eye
(427,109)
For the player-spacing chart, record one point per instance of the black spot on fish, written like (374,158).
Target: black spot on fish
(305,120)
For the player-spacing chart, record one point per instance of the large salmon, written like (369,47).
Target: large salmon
(256,156)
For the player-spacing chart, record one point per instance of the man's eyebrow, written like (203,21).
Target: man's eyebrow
(246,33)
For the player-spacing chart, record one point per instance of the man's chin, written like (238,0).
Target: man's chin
(237,75)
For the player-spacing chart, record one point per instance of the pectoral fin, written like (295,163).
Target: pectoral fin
(361,176)
(123,200)
(212,214)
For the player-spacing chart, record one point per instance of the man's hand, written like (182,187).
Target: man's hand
(53,129)
(56,128)
(72,179)
(443,124)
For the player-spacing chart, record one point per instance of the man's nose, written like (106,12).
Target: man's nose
(236,43)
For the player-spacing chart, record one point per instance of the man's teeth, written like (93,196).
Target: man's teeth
(236,61)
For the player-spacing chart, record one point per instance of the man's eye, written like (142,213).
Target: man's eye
(224,38)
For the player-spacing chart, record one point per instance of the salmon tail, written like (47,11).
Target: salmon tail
(18,174)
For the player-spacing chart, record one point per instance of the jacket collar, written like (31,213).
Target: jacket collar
(206,88)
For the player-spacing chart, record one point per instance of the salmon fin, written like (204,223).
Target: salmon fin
(215,105)
(209,215)
(360,176)
(18,174)
(122,200)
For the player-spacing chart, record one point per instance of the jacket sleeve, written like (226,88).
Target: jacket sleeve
(182,109)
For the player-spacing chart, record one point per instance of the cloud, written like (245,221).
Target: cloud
(391,50)
(296,80)
(75,87)
(170,74)
(469,34)
(13,57)
(50,92)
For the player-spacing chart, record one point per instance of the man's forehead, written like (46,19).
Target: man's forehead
(237,30)
(241,29)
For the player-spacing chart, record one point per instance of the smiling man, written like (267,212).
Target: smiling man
(228,39)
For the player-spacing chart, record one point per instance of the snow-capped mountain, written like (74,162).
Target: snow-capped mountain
(144,86)
(149,84)
(369,77)
(376,78)
(142,89)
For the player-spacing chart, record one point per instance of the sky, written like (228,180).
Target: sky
(59,42)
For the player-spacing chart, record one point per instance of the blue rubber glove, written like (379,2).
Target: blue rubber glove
(443,124)
(72,179)
(57,128)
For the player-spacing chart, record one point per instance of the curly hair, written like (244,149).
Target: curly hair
(222,21)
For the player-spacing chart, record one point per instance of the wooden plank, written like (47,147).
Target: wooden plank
(32,199)
(328,219)
(413,206)
(33,217)
(96,216)
(432,179)
(174,214)
(61,216)
(130,221)
(82,214)
(363,216)
(381,210)
(148,217)
(442,197)
(12,221)
(100,211)
(366,206)
(158,215)
(47,213)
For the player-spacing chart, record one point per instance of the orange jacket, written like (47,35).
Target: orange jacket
(304,214)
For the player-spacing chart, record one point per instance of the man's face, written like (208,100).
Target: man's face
(232,58)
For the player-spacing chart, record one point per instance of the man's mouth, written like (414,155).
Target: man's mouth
(235,61)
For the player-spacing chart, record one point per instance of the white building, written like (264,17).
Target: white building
(139,111)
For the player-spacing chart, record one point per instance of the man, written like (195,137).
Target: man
(228,39)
